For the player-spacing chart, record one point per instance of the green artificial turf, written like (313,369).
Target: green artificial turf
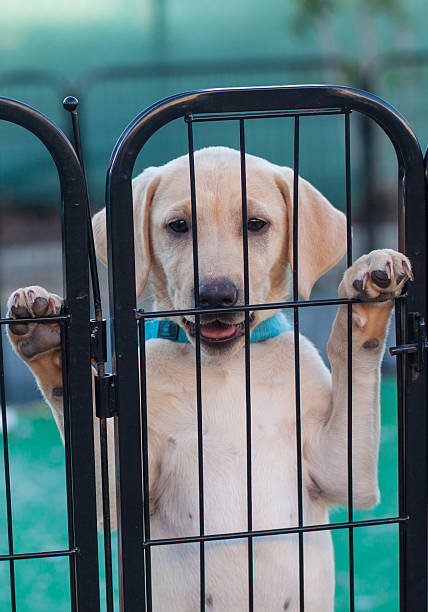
(39,511)
(37,468)
(376,547)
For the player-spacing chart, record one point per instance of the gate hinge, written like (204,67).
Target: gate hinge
(105,388)
(415,350)
(98,340)
(105,396)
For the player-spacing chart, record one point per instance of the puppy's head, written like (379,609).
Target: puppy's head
(164,245)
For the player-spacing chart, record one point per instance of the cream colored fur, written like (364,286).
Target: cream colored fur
(161,195)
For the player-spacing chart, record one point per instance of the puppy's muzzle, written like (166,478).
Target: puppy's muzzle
(219,328)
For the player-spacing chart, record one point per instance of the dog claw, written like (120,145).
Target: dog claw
(365,280)
(51,306)
(408,270)
(388,270)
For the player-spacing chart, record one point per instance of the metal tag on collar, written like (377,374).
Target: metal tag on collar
(168,330)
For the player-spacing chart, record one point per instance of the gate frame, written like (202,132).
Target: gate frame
(79,435)
(411,224)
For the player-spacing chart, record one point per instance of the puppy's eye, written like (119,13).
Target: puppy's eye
(179,227)
(255,225)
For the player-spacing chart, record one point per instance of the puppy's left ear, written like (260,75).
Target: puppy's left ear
(143,190)
(321,230)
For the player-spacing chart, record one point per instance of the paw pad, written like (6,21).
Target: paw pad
(381,278)
(40,306)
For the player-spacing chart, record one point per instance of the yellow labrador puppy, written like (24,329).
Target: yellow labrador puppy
(163,247)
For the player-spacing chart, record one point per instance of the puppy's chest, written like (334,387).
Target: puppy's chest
(228,415)
(223,455)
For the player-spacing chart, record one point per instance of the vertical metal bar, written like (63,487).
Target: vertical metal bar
(145,448)
(124,346)
(401,377)
(412,206)
(247,364)
(198,359)
(297,357)
(76,290)
(68,469)
(106,514)
(349,355)
(70,103)
(7,478)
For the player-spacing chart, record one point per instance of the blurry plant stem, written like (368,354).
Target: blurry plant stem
(327,36)
(368,36)
(367,39)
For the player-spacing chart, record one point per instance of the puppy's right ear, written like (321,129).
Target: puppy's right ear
(143,190)
(100,235)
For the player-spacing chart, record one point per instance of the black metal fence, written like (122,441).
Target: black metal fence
(77,388)
(241,106)
(127,399)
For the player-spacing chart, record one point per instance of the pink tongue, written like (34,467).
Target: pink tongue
(214,330)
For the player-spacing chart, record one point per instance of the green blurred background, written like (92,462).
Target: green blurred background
(119,57)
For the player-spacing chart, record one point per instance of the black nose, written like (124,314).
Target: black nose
(217,292)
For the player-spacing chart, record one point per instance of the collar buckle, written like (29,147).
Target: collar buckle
(168,330)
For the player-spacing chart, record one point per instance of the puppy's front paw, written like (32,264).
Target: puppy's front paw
(31,339)
(376,277)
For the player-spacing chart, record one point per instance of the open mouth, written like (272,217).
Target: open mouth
(218,332)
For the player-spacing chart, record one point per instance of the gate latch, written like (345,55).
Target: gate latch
(105,388)
(105,396)
(415,350)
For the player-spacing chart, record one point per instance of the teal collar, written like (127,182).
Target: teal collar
(168,330)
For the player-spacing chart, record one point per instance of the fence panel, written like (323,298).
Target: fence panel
(243,106)
(76,389)
(240,107)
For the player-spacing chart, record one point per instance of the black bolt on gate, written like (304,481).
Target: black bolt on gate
(77,388)
(128,331)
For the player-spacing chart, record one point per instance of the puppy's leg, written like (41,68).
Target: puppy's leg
(39,345)
(376,278)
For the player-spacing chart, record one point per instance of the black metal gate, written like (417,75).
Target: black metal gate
(128,335)
(77,385)
(128,405)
